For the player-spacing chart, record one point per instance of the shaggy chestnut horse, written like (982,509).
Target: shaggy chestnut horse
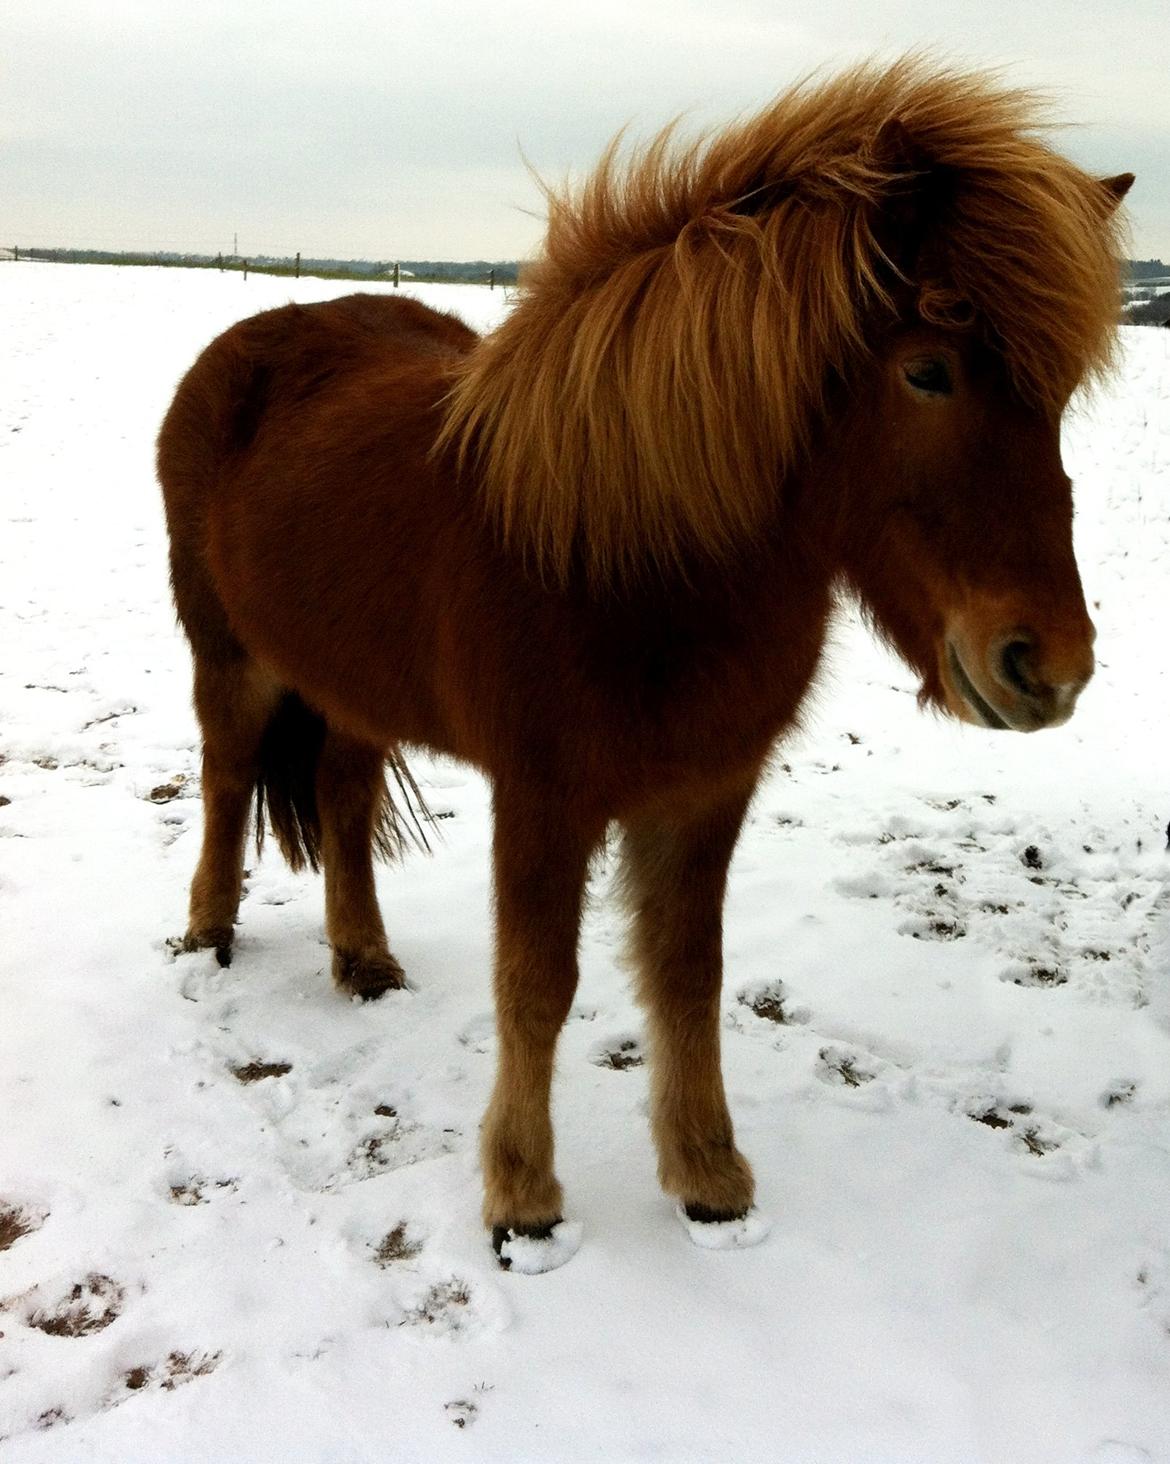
(594,553)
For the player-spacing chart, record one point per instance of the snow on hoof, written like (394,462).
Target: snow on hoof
(532,1255)
(737,1234)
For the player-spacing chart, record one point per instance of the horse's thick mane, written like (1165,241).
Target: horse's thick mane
(668,356)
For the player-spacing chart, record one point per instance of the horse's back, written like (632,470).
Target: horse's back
(285,356)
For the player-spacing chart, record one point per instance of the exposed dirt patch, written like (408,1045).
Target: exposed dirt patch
(1000,1115)
(992,1118)
(460,1412)
(88,1307)
(15,1224)
(175,1370)
(941,930)
(626,1054)
(1034,1143)
(126,711)
(194,1191)
(1040,976)
(1031,858)
(395,1145)
(167,792)
(842,1069)
(443,1307)
(396,1245)
(768,1004)
(255,1072)
(371,1156)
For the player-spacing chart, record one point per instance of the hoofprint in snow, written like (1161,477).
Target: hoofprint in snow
(239,1215)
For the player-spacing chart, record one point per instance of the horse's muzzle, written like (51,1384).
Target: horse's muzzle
(1016,684)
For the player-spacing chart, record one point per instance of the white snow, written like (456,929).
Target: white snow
(946,1036)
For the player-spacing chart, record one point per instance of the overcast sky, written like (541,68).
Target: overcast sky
(383,130)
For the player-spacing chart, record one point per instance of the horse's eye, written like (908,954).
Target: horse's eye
(931,375)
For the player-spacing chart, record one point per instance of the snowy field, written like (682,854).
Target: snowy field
(239,1216)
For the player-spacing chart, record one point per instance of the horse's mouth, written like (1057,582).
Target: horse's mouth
(985,713)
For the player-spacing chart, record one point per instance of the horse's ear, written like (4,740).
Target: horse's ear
(915,194)
(1115,189)
(893,148)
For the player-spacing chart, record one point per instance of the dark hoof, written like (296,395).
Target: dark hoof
(501,1234)
(367,976)
(216,939)
(704,1215)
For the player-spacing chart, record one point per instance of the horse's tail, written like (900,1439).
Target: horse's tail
(286,781)
(286,791)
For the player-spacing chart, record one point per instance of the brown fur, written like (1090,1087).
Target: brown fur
(595,553)
(672,346)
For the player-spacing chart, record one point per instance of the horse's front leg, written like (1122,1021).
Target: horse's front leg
(540,859)
(675,873)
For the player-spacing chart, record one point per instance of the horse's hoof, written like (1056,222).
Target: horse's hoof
(720,1230)
(368,977)
(215,938)
(534,1249)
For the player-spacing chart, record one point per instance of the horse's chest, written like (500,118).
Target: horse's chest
(700,696)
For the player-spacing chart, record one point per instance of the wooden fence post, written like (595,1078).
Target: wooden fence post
(492,280)
(298,274)
(219,262)
(396,274)
(245,269)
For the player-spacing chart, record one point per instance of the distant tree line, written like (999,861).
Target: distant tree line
(506,270)
(1151,309)
(1147,303)
(474,271)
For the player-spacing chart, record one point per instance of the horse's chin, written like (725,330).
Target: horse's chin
(937,695)
(933,696)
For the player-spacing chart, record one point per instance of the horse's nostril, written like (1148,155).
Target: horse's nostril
(1015,666)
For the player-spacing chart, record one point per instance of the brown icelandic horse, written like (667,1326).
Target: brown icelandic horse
(594,552)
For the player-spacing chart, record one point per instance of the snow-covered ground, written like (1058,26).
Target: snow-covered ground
(252,1207)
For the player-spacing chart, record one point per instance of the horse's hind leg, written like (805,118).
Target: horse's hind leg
(675,873)
(234,700)
(350,793)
